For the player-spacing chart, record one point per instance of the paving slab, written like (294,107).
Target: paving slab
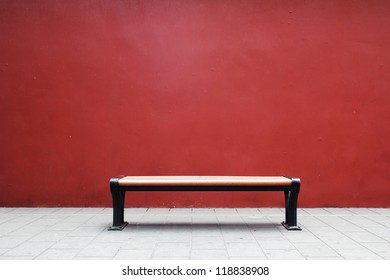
(209,254)
(194,233)
(172,249)
(244,249)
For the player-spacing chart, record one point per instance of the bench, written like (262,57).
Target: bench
(290,187)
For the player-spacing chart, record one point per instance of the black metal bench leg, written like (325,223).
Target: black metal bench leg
(291,201)
(287,212)
(118,202)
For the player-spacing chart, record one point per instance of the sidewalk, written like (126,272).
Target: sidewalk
(197,233)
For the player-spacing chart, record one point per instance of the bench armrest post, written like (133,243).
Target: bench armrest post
(291,204)
(118,202)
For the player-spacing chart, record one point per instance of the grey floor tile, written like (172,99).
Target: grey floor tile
(90,210)
(53,236)
(237,233)
(380,231)
(358,254)
(362,222)
(170,258)
(309,250)
(102,220)
(325,258)
(272,211)
(239,249)
(310,222)
(381,220)
(261,232)
(58,254)
(235,228)
(9,242)
(5,218)
(382,249)
(5,210)
(381,211)
(203,212)
(365,237)
(238,237)
(72,242)
(340,224)
(69,210)
(91,258)
(275,221)
(14,258)
(249,212)
(146,230)
(157,211)
(322,232)
(62,226)
(26,219)
(251,220)
(137,243)
(23,210)
(206,230)
(315,211)
(135,230)
(153,219)
(134,254)
(205,220)
(9,227)
(2,251)
(230,220)
(100,250)
(387,239)
(112,236)
(175,236)
(210,254)
(28,249)
(343,244)
(362,211)
(45,210)
(340,211)
(180,211)
(248,258)
(107,211)
(208,243)
(46,221)
(86,231)
(78,218)
(172,249)
(199,233)
(283,254)
(131,219)
(300,236)
(135,211)
(28,230)
(226,212)
(274,243)
(178,219)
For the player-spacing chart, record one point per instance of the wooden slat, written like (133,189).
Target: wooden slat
(204,181)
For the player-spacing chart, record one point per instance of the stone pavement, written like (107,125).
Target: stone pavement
(194,233)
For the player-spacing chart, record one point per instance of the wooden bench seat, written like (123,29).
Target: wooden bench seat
(290,187)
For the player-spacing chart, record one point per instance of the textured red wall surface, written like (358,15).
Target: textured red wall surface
(93,89)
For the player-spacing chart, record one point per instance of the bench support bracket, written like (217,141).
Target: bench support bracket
(291,205)
(118,202)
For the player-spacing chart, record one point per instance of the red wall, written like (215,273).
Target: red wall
(93,89)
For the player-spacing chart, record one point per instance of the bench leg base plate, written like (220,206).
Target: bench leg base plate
(120,227)
(290,227)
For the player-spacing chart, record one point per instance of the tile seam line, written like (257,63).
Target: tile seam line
(324,241)
(366,232)
(223,237)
